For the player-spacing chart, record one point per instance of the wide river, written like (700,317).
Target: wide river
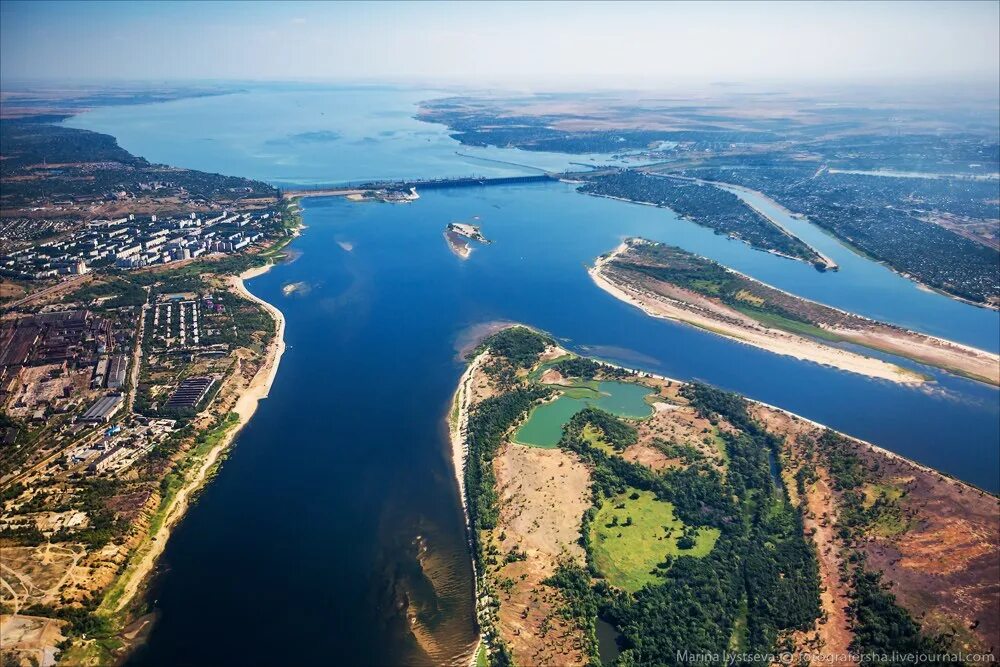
(333,533)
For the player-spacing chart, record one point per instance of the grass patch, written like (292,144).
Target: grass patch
(580,391)
(481,659)
(775,321)
(537,371)
(595,437)
(634,536)
(738,640)
(888,518)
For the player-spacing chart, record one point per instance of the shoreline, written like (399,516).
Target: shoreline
(458,432)
(794,346)
(136,576)
(851,248)
(829,264)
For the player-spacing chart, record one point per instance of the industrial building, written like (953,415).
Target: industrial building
(116,371)
(103,409)
(189,393)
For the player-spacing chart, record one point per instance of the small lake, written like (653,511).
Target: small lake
(607,642)
(544,427)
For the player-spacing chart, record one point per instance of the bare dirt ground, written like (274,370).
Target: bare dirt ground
(10,290)
(37,386)
(946,568)
(31,638)
(674,422)
(37,575)
(480,385)
(64,573)
(943,565)
(543,496)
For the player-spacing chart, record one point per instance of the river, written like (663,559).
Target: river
(333,533)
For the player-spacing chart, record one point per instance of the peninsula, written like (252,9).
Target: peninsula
(667,282)
(675,515)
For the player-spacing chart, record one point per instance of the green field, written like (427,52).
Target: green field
(595,437)
(627,554)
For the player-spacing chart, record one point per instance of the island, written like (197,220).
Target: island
(617,514)
(671,283)
(458,235)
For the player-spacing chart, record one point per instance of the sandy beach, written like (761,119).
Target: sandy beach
(772,340)
(457,430)
(245,407)
(458,246)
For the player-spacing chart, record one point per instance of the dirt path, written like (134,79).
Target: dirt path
(833,634)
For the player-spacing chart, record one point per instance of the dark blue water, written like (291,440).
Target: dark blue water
(337,507)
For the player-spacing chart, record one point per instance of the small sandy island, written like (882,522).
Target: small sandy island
(293,288)
(458,235)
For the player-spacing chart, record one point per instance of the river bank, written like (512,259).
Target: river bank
(136,574)
(458,421)
(739,189)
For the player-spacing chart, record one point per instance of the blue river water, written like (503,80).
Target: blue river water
(333,533)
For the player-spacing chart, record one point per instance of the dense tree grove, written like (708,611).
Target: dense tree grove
(520,346)
(615,432)
(880,625)
(588,369)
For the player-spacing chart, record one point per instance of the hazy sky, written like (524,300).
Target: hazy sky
(554,44)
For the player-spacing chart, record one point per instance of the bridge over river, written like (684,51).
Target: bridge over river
(435,184)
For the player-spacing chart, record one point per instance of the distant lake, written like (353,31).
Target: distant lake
(333,532)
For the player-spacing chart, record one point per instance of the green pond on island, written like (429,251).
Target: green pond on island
(544,427)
